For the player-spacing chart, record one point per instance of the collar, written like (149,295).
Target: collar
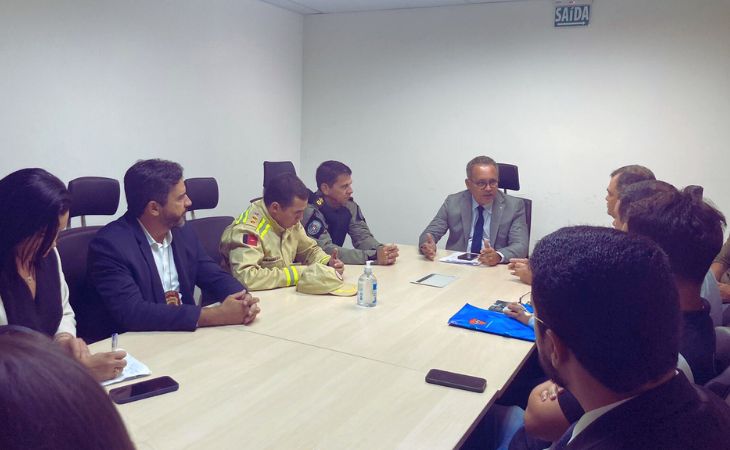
(487,208)
(591,416)
(317,199)
(278,229)
(166,242)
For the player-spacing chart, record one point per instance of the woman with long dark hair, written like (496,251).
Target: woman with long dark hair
(50,401)
(34,207)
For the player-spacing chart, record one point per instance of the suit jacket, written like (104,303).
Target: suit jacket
(507,231)
(123,273)
(673,415)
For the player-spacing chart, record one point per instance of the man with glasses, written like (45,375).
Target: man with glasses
(480,219)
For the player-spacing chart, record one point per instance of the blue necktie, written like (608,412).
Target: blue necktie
(478,234)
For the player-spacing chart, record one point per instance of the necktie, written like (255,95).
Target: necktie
(478,234)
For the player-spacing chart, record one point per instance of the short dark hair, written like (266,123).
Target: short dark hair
(283,188)
(610,297)
(328,171)
(31,200)
(631,174)
(686,227)
(637,195)
(480,161)
(42,385)
(150,180)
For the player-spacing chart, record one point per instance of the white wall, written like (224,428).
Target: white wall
(407,97)
(87,87)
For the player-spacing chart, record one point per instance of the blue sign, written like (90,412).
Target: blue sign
(572,16)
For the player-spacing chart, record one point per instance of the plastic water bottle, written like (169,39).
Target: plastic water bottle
(367,287)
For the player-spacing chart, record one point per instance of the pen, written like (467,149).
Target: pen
(115,338)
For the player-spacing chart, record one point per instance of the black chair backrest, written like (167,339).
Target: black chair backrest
(92,319)
(93,196)
(272,169)
(89,196)
(528,213)
(509,177)
(203,192)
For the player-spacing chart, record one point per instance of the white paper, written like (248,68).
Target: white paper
(133,369)
(454,259)
(436,280)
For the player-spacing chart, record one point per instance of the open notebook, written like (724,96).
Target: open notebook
(133,369)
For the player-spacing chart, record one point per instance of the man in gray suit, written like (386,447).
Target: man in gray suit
(480,219)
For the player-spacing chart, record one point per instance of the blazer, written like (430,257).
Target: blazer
(124,276)
(673,415)
(507,231)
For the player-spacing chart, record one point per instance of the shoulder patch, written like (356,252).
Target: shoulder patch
(250,239)
(254,218)
(314,228)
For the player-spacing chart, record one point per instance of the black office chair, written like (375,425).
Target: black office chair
(509,178)
(272,169)
(203,193)
(89,196)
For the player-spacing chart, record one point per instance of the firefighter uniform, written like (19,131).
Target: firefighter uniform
(330,226)
(263,255)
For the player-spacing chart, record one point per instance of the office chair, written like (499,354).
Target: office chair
(272,169)
(89,196)
(509,178)
(203,193)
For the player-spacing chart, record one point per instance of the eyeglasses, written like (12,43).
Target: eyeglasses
(482,184)
(522,301)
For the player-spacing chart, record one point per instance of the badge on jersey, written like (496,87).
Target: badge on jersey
(314,228)
(250,239)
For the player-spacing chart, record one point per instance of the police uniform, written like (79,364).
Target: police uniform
(330,225)
(263,255)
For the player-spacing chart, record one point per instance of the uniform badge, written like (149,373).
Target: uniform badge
(314,228)
(319,201)
(254,219)
(250,239)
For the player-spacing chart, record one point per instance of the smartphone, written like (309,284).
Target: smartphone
(143,389)
(456,380)
(498,306)
(468,256)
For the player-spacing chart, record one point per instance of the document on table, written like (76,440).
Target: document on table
(435,280)
(454,259)
(133,369)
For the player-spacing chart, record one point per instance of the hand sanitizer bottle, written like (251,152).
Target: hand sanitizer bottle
(367,287)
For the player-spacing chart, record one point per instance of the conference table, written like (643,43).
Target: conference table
(318,371)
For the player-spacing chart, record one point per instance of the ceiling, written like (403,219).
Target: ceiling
(341,6)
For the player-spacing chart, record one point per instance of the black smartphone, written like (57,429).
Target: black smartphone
(456,380)
(498,306)
(468,256)
(143,389)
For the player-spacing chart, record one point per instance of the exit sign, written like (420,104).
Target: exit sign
(571,15)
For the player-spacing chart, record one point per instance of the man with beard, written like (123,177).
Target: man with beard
(144,266)
(621,368)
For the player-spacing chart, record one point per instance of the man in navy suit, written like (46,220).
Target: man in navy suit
(607,323)
(480,219)
(144,266)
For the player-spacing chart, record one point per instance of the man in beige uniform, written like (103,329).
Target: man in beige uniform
(266,247)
